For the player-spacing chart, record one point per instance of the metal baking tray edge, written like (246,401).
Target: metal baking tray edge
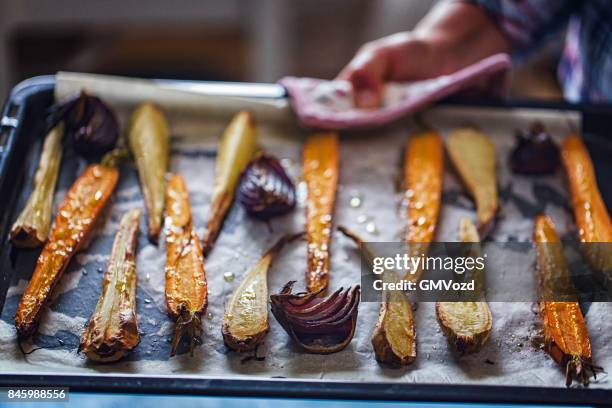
(17,123)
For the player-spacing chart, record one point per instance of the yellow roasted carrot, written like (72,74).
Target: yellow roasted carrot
(320,172)
(236,149)
(565,332)
(73,225)
(149,139)
(112,331)
(423,171)
(33,224)
(592,218)
(394,337)
(467,325)
(473,156)
(186,287)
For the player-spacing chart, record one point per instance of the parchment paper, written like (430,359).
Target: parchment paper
(369,169)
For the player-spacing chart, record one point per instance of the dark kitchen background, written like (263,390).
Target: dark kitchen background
(220,40)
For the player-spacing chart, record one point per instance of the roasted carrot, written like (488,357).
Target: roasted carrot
(473,156)
(245,322)
(394,337)
(33,224)
(320,166)
(112,331)
(467,325)
(592,218)
(73,225)
(236,149)
(423,171)
(149,140)
(566,337)
(186,287)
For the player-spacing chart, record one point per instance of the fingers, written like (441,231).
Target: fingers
(366,73)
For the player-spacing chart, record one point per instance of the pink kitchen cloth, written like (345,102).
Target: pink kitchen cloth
(329,104)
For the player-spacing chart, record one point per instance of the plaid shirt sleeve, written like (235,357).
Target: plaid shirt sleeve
(529,24)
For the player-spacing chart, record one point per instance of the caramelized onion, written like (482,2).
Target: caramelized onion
(265,189)
(90,125)
(319,326)
(535,151)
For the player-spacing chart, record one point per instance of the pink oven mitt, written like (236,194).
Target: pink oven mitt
(329,104)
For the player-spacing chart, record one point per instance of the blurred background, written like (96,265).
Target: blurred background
(226,40)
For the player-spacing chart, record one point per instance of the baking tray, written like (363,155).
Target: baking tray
(20,143)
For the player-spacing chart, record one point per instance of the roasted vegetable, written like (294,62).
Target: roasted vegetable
(592,218)
(394,337)
(112,331)
(265,189)
(535,151)
(90,125)
(320,171)
(237,147)
(566,337)
(245,323)
(186,287)
(466,325)
(32,226)
(423,171)
(318,326)
(73,225)
(148,137)
(473,155)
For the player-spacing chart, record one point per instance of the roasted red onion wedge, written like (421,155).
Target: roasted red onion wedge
(265,189)
(319,326)
(90,124)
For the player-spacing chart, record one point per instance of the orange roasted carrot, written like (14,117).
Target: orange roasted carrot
(186,287)
(74,222)
(320,160)
(565,332)
(423,170)
(590,212)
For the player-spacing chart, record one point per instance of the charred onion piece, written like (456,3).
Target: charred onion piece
(186,287)
(535,152)
(467,325)
(566,337)
(318,326)
(148,137)
(265,189)
(592,218)
(423,171)
(320,171)
(90,124)
(73,225)
(112,331)
(237,147)
(394,337)
(32,226)
(473,156)
(245,323)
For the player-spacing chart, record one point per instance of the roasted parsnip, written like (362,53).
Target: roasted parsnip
(186,287)
(245,323)
(473,156)
(592,218)
(149,140)
(423,171)
(237,148)
(32,226)
(466,325)
(394,337)
(320,172)
(566,337)
(112,331)
(73,225)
